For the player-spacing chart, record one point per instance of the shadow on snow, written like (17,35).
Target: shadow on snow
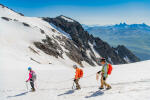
(17,95)
(95,94)
(67,92)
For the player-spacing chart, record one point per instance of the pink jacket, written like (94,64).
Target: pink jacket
(30,75)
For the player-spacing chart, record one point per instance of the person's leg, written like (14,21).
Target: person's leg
(107,85)
(77,84)
(32,85)
(102,82)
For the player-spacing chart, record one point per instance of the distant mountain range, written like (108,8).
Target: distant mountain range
(135,37)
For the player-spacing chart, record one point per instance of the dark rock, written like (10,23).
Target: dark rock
(16,20)
(82,38)
(124,52)
(54,30)
(21,14)
(5,18)
(107,52)
(42,31)
(35,61)
(25,24)
(50,47)
(73,52)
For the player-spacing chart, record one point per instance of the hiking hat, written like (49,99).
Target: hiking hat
(74,66)
(103,59)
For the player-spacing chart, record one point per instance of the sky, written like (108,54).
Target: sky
(89,12)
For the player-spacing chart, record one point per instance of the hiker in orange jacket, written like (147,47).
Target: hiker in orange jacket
(78,75)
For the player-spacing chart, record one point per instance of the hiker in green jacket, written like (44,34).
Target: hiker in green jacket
(104,74)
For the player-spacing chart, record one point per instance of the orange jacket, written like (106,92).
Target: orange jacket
(77,73)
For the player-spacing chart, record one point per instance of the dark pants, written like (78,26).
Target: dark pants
(32,84)
(77,83)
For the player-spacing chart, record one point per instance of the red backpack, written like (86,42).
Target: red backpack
(110,68)
(81,73)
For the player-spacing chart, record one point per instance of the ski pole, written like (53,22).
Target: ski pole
(35,84)
(73,86)
(27,86)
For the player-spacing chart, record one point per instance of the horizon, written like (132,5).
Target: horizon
(115,24)
(99,13)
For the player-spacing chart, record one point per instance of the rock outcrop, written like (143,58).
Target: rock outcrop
(85,42)
(123,52)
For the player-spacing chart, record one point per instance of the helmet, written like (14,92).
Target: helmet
(29,68)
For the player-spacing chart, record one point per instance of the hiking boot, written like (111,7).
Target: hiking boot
(33,90)
(78,89)
(108,88)
(101,88)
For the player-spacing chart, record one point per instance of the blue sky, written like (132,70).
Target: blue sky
(102,12)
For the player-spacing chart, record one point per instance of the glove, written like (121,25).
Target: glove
(104,78)
(98,72)
(74,80)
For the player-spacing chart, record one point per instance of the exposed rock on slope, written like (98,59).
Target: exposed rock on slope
(55,40)
(135,37)
(126,54)
(84,41)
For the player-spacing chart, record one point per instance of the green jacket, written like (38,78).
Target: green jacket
(105,70)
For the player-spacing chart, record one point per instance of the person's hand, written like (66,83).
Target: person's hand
(74,80)
(26,80)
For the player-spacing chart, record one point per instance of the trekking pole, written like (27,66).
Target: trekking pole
(35,84)
(73,86)
(27,86)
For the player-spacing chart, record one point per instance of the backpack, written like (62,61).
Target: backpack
(33,75)
(109,69)
(81,73)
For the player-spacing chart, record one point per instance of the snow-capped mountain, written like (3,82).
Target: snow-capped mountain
(86,42)
(135,37)
(45,40)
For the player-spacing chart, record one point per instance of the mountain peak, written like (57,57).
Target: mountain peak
(124,23)
(65,18)
(2,5)
(7,12)
(121,24)
(86,43)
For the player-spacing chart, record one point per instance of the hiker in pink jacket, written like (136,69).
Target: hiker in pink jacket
(32,77)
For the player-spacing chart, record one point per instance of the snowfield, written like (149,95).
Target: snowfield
(129,82)
(55,76)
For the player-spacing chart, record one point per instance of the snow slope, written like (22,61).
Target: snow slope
(18,38)
(129,82)
(54,82)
